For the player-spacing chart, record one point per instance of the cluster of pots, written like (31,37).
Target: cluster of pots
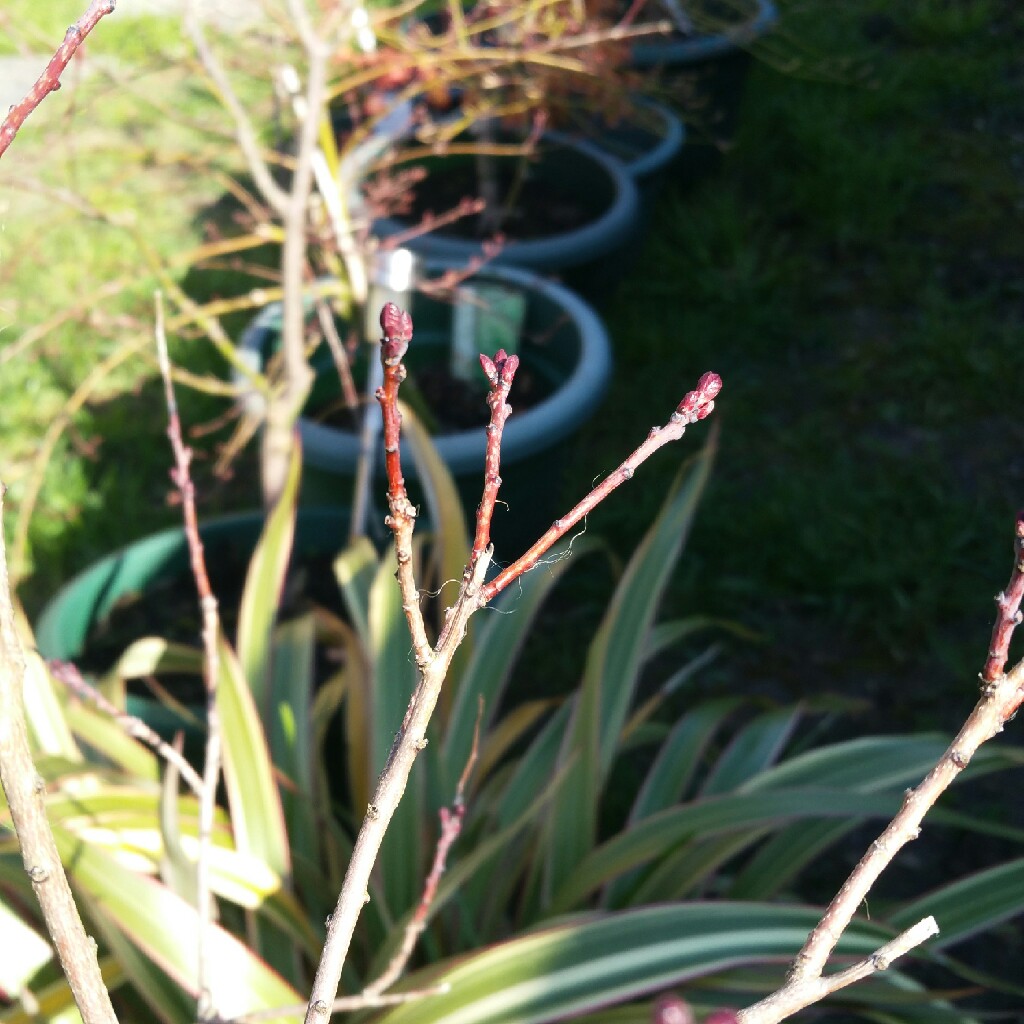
(563,345)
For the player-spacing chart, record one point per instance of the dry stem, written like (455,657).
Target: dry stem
(211,668)
(25,791)
(49,80)
(68,674)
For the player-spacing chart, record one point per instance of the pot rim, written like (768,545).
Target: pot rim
(668,147)
(539,427)
(103,582)
(557,252)
(682,50)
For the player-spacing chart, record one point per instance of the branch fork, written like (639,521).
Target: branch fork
(432,661)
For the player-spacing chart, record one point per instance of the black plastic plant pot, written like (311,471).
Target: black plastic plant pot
(565,368)
(133,593)
(572,211)
(704,73)
(647,139)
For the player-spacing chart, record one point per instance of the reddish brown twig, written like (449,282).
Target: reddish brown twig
(432,221)
(500,372)
(396,326)
(695,406)
(1009,614)
(211,664)
(49,80)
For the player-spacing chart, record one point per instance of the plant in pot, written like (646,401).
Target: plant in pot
(382,76)
(643,134)
(566,362)
(559,203)
(700,65)
(692,798)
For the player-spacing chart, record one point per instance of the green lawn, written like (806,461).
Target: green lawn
(855,271)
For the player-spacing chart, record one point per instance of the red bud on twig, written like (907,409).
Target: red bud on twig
(397,327)
(672,1010)
(698,404)
(506,366)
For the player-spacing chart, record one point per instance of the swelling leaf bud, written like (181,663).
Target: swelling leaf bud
(490,370)
(709,385)
(395,322)
(397,327)
(697,404)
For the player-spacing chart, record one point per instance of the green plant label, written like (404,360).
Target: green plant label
(487,317)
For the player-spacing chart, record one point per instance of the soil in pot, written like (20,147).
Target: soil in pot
(539,195)
(444,402)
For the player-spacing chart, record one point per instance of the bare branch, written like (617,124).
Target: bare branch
(274,196)
(397,327)
(1002,694)
(500,372)
(25,790)
(432,663)
(68,674)
(695,406)
(797,995)
(1008,615)
(211,667)
(49,80)
(451,828)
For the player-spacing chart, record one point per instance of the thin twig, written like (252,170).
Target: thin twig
(274,196)
(451,828)
(695,406)
(49,80)
(67,673)
(1002,694)
(429,222)
(25,791)
(432,663)
(500,372)
(1008,615)
(337,349)
(211,669)
(397,328)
